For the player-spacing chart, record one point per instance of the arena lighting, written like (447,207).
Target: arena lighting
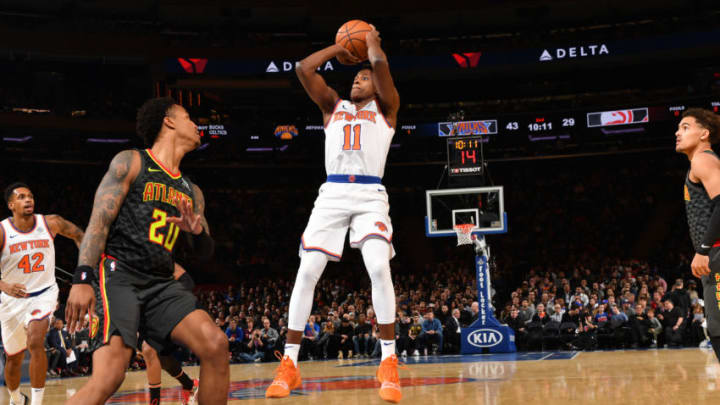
(23,139)
(108,140)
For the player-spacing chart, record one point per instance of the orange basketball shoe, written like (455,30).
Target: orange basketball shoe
(389,379)
(287,378)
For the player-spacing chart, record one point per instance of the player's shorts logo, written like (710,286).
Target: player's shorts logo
(381,226)
(351,178)
(35,312)
(94,325)
(687,194)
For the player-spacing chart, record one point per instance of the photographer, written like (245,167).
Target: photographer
(256,348)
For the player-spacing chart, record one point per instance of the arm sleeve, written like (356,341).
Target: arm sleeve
(712,233)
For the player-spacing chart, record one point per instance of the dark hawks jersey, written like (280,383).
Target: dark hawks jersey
(141,239)
(698,207)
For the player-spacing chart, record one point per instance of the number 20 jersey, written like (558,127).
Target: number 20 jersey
(141,239)
(357,141)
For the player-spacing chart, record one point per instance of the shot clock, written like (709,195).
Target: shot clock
(465,155)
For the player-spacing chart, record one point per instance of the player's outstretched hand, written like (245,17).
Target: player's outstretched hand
(81,301)
(346,57)
(188,221)
(700,265)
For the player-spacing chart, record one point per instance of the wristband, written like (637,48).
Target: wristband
(83,275)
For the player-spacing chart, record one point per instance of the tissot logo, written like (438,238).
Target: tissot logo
(193,66)
(574,52)
(287,66)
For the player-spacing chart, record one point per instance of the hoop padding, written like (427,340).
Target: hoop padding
(464,233)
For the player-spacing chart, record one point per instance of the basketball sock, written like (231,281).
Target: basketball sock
(15,396)
(312,265)
(388,348)
(155,394)
(292,350)
(173,367)
(715,341)
(185,381)
(37,396)
(376,255)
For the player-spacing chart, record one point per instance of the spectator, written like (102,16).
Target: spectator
(557,314)
(311,334)
(451,332)
(518,326)
(672,320)
(526,313)
(640,328)
(255,348)
(269,337)
(345,333)
(362,339)
(541,316)
(61,355)
(655,326)
(235,337)
(431,336)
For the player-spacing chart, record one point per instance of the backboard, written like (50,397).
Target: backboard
(482,206)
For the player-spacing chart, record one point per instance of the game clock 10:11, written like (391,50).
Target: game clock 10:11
(538,127)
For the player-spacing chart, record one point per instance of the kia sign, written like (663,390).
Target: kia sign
(484,338)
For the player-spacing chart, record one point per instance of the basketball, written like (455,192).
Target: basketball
(351,36)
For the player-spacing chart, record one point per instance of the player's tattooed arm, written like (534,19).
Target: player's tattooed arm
(61,226)
(315,86)
(109,197)
(387,93)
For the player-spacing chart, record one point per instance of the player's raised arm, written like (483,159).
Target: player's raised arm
(108,199)
(60,226)
(192,219)
(387,93)
(322,94)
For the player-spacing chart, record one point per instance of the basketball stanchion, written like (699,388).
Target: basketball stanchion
(470,214)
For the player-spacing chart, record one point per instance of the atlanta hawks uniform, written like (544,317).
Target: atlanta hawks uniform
(28,258)
(356,147)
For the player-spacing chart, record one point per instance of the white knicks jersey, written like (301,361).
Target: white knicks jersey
(28,258)
(357,142)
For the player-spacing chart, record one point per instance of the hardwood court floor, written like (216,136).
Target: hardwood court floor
(686,376)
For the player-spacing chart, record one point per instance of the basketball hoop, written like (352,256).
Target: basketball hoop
(464,233)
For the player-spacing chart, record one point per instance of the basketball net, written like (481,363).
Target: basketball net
(464,233)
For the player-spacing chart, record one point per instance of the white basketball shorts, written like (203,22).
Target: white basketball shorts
(363,208)
(17,313)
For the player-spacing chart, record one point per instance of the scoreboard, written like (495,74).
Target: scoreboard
(467,140)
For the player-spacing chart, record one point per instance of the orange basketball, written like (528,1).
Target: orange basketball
(351,36)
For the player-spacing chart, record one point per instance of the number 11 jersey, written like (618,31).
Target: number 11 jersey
(357,141)
(141,238)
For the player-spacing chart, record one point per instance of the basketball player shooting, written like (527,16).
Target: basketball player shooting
(358,133)
(697,130)
(124,277)
(29,291)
